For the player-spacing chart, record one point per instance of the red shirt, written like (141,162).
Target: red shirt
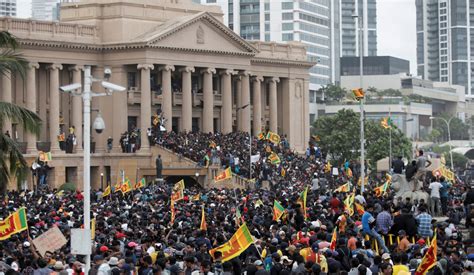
(335,204)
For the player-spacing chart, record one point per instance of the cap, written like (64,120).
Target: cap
(132,244)
(58,265)
(258,263)
(104,248)
(421,242)
(385,256)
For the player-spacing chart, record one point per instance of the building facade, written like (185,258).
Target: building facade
(8,8)
(374,65)
(444,37)
(175,57)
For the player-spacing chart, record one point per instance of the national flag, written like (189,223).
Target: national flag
(386,122)
(349,172)
(278,210)
(273,137)
(327,167)
(196,197)
(203,220)
(381,190)
(343,188)
(226,174)
(316,138)
(261,136)
(302,200)
(359,208)
(117,187)
(274,158)
(429,260)
(178,191)
(45,156)
(237,244)
(107,192)
(238,216)
(332,246)
(140,184)
(173,213)
(283,172)
(59,194)
(13,224)
(93,229)
(156,120)
(212,144)
(358,93)
(388,177)
(348,203)
(126,186)
(366,181)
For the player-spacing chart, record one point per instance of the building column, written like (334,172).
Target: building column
(77,107)
(238,103)
(208,97)
(273,104)
(31,103)
(145,104)
(245,102)
(187,101)
(7,97)
(226,84)
(54,105)
(167,105)
(257,105)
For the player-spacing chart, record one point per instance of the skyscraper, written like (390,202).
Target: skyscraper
(444,37)
(45,9)
(7,7)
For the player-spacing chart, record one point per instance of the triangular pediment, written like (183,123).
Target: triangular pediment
(200,32)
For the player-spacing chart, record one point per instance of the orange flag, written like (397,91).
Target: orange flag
(429,260)
(333,239)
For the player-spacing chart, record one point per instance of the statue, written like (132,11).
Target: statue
(405,189)
(200,35)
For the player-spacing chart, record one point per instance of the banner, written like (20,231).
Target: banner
(50,240)
(255,158)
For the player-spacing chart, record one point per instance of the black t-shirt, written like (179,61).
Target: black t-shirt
(398,166)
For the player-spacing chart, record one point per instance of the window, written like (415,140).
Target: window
(267,17)
(444,65)
(312,118)
(287,5)
(287,16)
(132,79)
(267,27)
(442,4)
(314,19)
(267,6)
(267,37)
(287,37)
(444,45)
(443,25)
(287,26)
(444,52)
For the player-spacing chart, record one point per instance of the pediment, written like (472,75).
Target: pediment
(201,32)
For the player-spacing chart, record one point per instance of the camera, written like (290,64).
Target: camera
(99,124)
(107,72)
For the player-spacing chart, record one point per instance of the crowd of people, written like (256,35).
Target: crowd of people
(135,233)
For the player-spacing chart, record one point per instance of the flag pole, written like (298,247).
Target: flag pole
(390,140)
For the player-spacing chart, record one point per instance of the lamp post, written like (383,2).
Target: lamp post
(360,19)
(448,123)
(99,126)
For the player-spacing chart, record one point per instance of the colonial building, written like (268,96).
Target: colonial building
(173,56)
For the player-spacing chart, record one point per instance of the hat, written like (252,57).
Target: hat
(113,261)
(132,244)
(58,265)
(421,242)
(258,263)
(104,248)
(385,256)
(26,244)
(285,259)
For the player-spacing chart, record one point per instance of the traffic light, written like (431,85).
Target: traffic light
(358,93)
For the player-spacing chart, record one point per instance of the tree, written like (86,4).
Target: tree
(12,161)
(340,133)
(333,92)
(459,130)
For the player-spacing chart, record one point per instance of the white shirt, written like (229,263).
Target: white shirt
(435,186)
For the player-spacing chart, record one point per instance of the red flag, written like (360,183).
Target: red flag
(429,260)
(333,239)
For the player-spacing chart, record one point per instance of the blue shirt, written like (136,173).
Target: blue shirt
(424,225)
(443,191)
(384,222)
(367,219)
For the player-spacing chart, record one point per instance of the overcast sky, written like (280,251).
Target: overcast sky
(396,29)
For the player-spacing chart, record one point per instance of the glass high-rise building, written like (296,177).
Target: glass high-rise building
(445,36)
(7,7)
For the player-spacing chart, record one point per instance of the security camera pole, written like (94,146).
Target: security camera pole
(87,96)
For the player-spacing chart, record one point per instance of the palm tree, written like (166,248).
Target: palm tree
(12,162)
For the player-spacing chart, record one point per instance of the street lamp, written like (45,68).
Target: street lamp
(361,74)
(99,126)
(448,123)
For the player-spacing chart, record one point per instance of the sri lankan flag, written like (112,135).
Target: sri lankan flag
(343,188)
(196,197)
(278,210)
(13,224)
(429,260)
(107,192)
(359,208)
(274,158)
(45,156)
(358,93)
(273,137)
(302,200)
(178,191)
(126,187)
(261,136)
(212,144)
(117,187)
(333,239)
(203,220)
(227,174)
(380,190)
(140,184)
(386,122)
(366,181)
(327,167)
(349,172)
(348,203)
(237,244)
(173,213)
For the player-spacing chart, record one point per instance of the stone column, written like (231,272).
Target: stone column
(245,101)
(167,104)
(77,114)
(145,104)
(226,84)
(273,104)
(257,105)
(238,103)
(187,101)
(208,97)
(7,97)
(54,105)
(31,103)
